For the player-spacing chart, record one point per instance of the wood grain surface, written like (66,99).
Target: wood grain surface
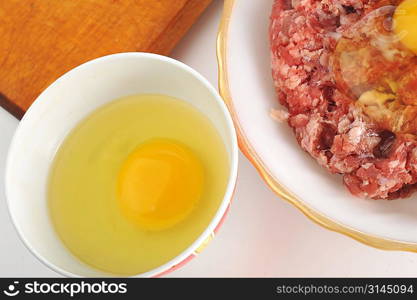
(42,39)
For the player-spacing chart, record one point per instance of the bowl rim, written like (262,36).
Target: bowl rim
(199,244)
(278,188)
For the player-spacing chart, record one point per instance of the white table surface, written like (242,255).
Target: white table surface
(263,236)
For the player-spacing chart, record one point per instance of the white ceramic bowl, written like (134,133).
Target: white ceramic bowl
(67,101)
(246,85)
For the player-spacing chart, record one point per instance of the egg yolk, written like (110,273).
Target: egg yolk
(159,184)
(405,20)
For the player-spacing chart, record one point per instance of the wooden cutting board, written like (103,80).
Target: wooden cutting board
(42,39)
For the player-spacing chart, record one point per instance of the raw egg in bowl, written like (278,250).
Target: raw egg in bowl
(124,166)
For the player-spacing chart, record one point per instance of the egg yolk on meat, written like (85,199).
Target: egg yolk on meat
(375,64)
(159,184)
(405,20)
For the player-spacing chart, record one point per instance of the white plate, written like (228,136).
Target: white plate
(246,84)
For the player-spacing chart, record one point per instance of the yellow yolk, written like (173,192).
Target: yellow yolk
(405,20)
(159,184)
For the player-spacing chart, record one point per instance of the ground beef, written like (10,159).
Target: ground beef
(374,163)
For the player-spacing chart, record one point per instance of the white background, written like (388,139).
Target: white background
(263,236)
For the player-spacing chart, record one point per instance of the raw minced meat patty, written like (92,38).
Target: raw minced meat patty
(375,162)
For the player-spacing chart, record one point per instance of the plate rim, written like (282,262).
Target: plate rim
(277,187)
